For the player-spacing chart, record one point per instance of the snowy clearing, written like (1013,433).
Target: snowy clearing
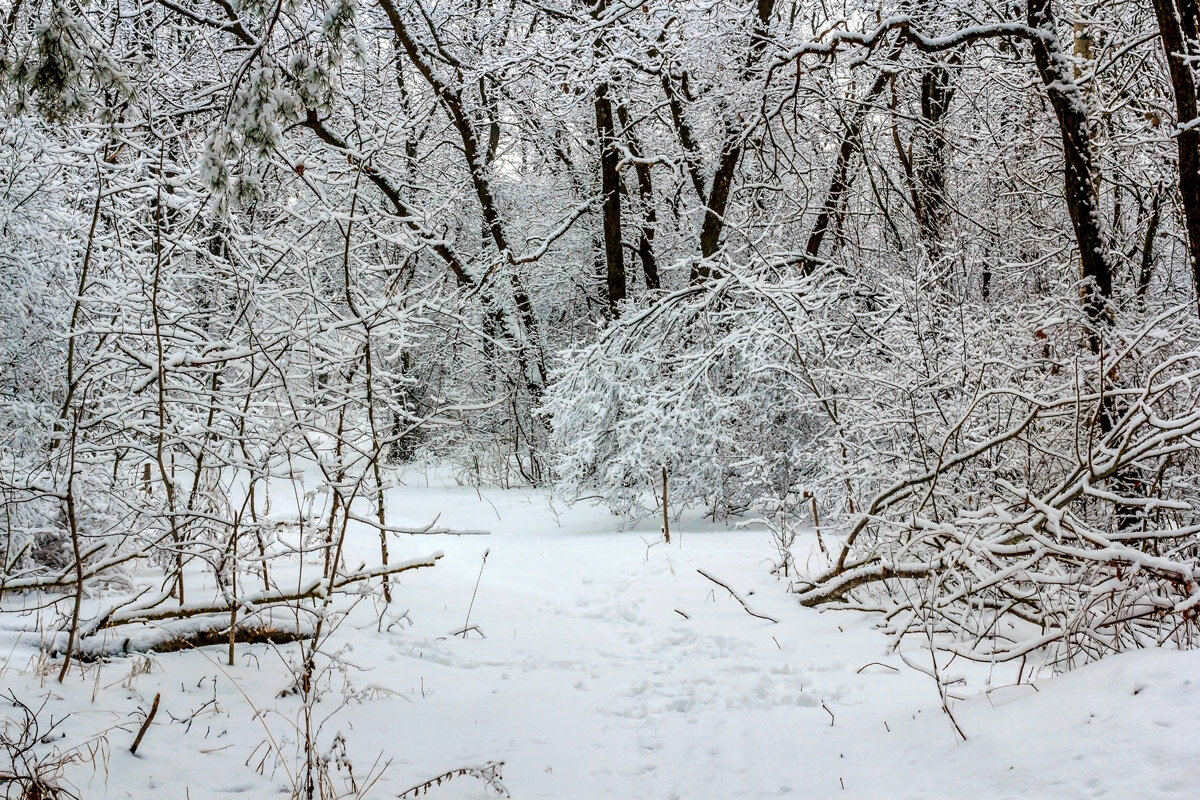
(589,681)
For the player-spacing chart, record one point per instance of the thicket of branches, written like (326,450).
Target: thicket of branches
(932,263)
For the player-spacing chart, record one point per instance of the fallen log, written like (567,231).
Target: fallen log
(205,633)
(167,628)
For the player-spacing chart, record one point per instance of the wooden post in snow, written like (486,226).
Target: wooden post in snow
(666,523)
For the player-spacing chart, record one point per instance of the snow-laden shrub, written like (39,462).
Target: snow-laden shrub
(711,384)
(768,385)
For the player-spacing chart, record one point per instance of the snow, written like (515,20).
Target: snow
(587,681)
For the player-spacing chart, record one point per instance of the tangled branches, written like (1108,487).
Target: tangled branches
(31,768)
(1074,528)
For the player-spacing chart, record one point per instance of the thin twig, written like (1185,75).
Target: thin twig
(467,623)
(737,597)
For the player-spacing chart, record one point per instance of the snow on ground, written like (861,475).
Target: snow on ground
(591,684)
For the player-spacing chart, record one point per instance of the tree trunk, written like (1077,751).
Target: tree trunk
(731,154)
(1079,168)
(646,195)
(610,182)
(937,92)
(1179,24)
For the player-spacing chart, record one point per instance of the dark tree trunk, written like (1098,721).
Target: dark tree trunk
(1179,24)
(718,199)
(937,92)
(610,184)
(1079,168)
(610,187)
(731,154)
(646,195)
(1146,272)
(683,130)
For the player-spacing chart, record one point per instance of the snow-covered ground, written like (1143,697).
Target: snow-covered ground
(589,681)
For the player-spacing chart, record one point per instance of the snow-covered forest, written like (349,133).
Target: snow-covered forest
(672,398)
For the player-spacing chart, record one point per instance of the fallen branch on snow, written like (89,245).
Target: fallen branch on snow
(428,530)
(737,597)
(313,589)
